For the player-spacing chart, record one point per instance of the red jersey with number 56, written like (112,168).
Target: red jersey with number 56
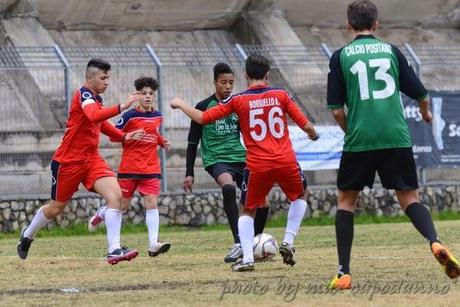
(261,112)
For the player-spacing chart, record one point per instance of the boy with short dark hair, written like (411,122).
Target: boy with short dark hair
(140,165)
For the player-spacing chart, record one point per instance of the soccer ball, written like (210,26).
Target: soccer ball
(265,247)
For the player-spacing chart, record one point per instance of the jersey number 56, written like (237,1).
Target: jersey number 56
(275,123)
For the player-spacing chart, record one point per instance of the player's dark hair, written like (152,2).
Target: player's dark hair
(98,63)
(142,82)
(220,69)
(362,15)
(257,66)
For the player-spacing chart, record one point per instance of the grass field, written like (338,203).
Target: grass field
(391,265)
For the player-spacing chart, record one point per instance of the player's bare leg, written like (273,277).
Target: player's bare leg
(246,233)
(45,214)
(152,220)
(422,221)
(108,188)
(344,236)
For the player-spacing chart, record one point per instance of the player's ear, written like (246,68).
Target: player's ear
(347,24)
(376,24)
(246,76)
(266,76)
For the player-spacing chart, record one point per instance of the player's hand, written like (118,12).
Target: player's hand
(177,103)
(133,97)
(314,137)
(166,144)
(427,116)
(188,183)
(134,135)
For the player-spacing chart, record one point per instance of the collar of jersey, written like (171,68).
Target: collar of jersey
(257,86)
(142,111)
(361,36)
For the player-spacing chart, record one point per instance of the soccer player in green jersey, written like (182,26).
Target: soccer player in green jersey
(223,156)
(365,79)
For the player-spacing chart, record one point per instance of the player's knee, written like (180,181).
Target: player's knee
(114,199)
(228,190)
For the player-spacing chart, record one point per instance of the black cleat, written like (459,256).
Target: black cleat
(241,266)
(235,253)
(287,251)
(23,245)
(159,248)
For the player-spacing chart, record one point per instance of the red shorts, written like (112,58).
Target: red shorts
(66,177)
(144,186)
(256,185)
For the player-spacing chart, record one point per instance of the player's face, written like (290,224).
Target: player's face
(224,85)
(99,81)
(148,98)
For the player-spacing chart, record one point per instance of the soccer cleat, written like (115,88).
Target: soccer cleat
(23,245)
(340,283)
(235,253)
(159,248)
(448,262)
(95,221)
(240,266)
(121,254)
(287,251)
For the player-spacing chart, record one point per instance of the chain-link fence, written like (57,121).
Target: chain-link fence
(37,83)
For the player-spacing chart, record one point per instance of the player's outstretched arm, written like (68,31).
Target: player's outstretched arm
(190,111)
(340,118)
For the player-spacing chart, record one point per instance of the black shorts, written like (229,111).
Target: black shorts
(236,169)
(395,166)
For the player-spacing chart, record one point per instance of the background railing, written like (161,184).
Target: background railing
(37,83)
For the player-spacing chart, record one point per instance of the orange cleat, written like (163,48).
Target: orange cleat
(448,262)
(341,283)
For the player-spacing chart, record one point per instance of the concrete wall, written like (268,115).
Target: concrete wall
(138,14)
(206,207)
(409,13)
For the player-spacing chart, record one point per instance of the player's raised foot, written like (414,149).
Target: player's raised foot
(159,248)
(448,262)
(121,254)
(287,251)
(235,253)
(340,282)
(95,221)
(23,245)
(241,266)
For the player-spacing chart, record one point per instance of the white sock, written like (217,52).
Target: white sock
(37,223)
(295,216)
(152,220)
(246,233)
(101,212)
(113,226)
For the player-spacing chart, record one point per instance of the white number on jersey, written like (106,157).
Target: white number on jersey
(274,121)
(383,65)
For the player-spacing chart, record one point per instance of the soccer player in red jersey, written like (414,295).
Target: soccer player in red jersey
(261,112)
(140,166)
(77,160)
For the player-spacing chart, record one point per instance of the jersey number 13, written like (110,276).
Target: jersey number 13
(383,65)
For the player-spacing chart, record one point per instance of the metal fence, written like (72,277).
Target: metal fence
(37,83)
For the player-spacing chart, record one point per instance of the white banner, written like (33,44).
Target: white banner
(324,153)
